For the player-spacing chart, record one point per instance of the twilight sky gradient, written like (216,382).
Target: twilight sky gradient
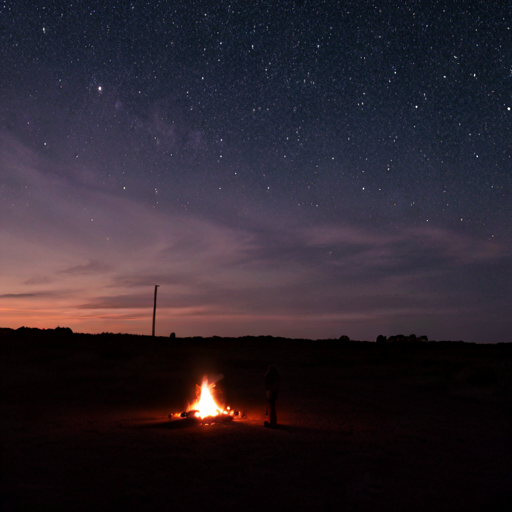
(292,168)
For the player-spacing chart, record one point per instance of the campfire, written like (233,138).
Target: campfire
(206,408)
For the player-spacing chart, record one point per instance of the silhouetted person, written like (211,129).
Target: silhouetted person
(272,382)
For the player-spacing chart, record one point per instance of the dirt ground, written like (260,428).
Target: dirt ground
(363,426)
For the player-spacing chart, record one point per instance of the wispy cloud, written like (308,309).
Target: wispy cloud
(17,295)
(38,280)
(34,295)
(91,267)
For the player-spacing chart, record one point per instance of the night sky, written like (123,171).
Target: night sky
(290,168)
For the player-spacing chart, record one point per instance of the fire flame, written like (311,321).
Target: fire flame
(205,405)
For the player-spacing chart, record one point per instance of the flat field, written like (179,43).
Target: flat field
(363,426)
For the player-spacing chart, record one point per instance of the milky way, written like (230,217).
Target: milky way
(304,169)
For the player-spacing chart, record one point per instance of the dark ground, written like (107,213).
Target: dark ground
(365,426)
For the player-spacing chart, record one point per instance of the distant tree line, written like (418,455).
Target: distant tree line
(412,338)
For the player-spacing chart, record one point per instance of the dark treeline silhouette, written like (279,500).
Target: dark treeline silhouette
(66,335)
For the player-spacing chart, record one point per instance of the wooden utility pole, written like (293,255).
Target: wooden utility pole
(154,309)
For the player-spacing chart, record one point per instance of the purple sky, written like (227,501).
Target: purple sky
(308,172)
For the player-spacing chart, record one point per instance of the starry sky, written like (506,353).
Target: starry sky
(290,168)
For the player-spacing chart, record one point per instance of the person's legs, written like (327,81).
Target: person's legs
(271,407)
